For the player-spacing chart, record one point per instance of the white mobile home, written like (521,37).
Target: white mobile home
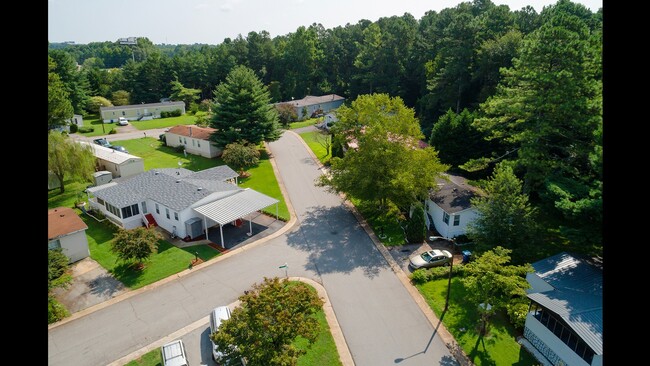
(195,140)
(138,112)
(449,209)
(118,163)
(67,231)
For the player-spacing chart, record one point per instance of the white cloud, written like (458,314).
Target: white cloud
(201,6)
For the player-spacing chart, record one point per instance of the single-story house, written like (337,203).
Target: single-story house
(564,325)
(449,209)
(67,231)
(118,163)
(183,202)
(144,111)
(195,139)
(310,104)
(76,119)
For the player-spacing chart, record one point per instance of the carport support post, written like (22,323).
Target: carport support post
(205,225)
(250,224)
(221,232)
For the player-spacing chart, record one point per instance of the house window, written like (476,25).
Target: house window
(167,212)
(456,220)
(176,216)
(144,207)
(100,201)
(54,244)
(198,142)
(129,211)
(112,209)
(193,142)
(445,218)
(123,113)
(180,140)
(185,139)
(157,209)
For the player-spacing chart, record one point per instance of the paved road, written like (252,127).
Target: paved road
(380,321)
(126,133)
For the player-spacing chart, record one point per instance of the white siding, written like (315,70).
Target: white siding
(207,149)
(450,231)
(597,361)
(75,246)
(131,167)
(111,167)
(552,342)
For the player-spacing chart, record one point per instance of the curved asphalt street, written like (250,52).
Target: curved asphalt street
(380,320)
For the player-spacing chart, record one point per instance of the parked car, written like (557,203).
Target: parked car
(173,354)
(119,148)
(217,316)
(122,121)
(431,258)
(102,142)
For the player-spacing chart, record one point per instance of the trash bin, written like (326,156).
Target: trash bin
(467,255)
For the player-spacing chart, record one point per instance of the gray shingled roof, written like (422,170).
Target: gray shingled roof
(312,100)
(454,194)
(577,296)
(144,105)
(221,172)
(176,191)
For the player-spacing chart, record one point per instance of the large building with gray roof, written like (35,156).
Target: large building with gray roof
(171,198)
(565,322)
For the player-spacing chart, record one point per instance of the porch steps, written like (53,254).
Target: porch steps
(150,221)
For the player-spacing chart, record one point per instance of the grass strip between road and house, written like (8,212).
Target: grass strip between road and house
(167,261)
(312,140)
(305,123)
(498,347)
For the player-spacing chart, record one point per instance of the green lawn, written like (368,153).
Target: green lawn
(157,155)
(262,179)
(498,347)
(323,352)
(312,140)
(185,119)
(94,121)
(168,261)
(72,189)
(151,358)
(378,219)
(305,123)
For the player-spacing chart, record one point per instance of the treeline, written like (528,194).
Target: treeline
(447,59)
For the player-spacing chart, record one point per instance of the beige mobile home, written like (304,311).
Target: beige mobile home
(139,112)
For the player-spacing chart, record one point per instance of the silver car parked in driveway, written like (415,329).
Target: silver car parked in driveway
(431,258)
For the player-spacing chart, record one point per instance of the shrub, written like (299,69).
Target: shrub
(193,108)
(420,276)
(55,310)
(74,128)
(205,105)
(87,129)
(164,114)
(162,138)
(517,310)
(179,148)
(112,132)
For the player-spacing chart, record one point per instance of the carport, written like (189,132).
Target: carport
(237,206)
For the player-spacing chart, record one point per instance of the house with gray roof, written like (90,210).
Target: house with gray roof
(310,104)
(139,112)
(182,202)
(448,208)
(565,323)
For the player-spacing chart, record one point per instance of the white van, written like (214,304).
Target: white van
(217,316)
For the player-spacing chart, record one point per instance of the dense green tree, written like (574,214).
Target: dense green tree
(416,229)
(59,108)
(491,280)
(242,110)
(505,217)
(75,81)
(456,139)
(241,156)
(121,97)
(67,158)
(136,244)
(267,323)
(94,103)
(181,93)
(286,113)
(387,163)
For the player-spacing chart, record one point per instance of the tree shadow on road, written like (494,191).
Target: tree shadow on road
(336,243)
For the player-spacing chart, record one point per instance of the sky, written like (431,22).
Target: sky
(210,21)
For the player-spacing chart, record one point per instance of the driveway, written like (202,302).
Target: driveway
(381,322)
(91,285)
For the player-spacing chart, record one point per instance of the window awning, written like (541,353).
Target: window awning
(236,206)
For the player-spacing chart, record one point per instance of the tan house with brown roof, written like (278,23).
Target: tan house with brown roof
(67,231)
(195,139)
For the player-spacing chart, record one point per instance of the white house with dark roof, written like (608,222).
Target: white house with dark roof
(183,202)
(565,323)
(195,140)
(449,209)
(311,104)
(139,112)
(118,163)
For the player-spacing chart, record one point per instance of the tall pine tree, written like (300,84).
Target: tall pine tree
(243,112)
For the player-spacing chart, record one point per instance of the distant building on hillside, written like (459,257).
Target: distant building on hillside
(139,112)
(309,105)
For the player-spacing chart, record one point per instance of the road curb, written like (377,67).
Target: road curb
(198,267)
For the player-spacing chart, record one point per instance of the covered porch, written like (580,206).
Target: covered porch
(243,205)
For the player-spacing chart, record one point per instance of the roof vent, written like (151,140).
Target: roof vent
(178,180)
(155,172)
(199,189)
